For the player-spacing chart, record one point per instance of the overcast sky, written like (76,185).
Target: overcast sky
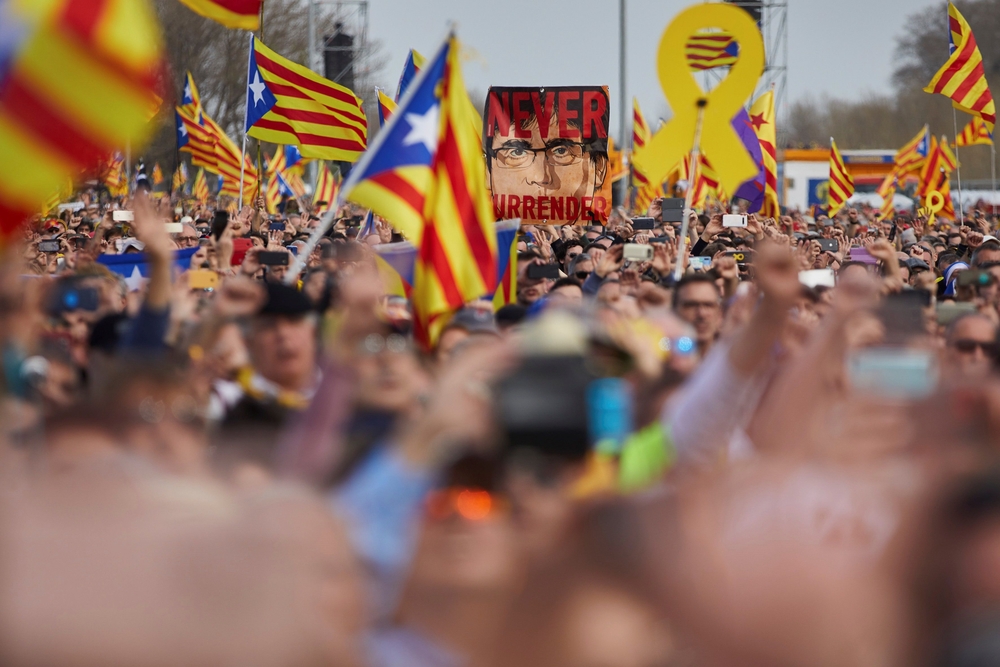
(842,48)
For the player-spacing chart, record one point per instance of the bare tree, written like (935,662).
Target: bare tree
(217,59)
(890,121)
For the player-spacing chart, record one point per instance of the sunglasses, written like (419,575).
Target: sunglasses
(581,275)
(968,346)
(469,504)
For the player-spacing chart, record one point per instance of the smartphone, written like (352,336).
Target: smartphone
(122,216)
(543,272)
(893,372)
(700,263)
(70,297)
(48,246)
(734,220)
(742,257)
(174,227)
(974,277)
(818,278)
(203,279)
(673,209)
(276,227)
(637,252)
(862,255)
(828,245)
(643,224)
(273,257)
(661,239)
(609,413)
(542,406)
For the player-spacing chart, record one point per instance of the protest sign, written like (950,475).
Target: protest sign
(547,154)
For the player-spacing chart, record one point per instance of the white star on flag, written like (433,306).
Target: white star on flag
(135,281)
(258,87)
(423,129)
(182,128)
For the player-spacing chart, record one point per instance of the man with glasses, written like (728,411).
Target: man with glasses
(188,237)
(971,346)
(698,302)
(553,169)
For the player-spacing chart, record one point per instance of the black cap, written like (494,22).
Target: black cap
(285,300)
(510,315)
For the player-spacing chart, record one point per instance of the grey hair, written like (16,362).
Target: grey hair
(582,257)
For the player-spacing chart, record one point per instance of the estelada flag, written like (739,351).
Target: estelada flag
(242,14)
(425,175)
(77,81)
(290,104)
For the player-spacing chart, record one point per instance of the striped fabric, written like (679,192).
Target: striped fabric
(200,188)
(841,185)
(272,195)
(888,210)
(414,63)
(180,177)
(707,50)
(77,81)
(644,191)
(962,78)
(326,189)
(911,156)
(227,162)
(386,107)
(241,14)
(426,176)
(940,159)
(974,133)
(762,117)
(290,104)
(506,292)
(706,185)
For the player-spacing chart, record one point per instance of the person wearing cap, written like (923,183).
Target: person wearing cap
(465,324)
(281,340)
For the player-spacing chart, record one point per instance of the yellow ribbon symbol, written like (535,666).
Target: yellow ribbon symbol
(719,142)
(934,203)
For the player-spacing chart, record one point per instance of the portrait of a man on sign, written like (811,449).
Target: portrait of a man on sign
(547,153)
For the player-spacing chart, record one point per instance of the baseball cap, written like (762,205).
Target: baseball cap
(285,300)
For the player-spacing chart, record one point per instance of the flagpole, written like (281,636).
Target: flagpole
(993,174)
(689,195)
(958,167)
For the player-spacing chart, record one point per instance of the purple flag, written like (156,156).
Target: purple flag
(752,190)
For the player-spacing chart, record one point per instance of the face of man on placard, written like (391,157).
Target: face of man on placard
(543,166)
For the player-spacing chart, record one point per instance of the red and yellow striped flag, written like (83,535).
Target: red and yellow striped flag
(940,158)
(705,50)
(974,133)
(290,104)
(888,209)
(227,156)
(200,187)
(962,78)
(426,175)
(705,184)
(912,155)
(240,14)
(841,184)
(326,190)
(77,81)
(762,117)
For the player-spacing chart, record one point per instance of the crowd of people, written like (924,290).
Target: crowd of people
(785,456)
